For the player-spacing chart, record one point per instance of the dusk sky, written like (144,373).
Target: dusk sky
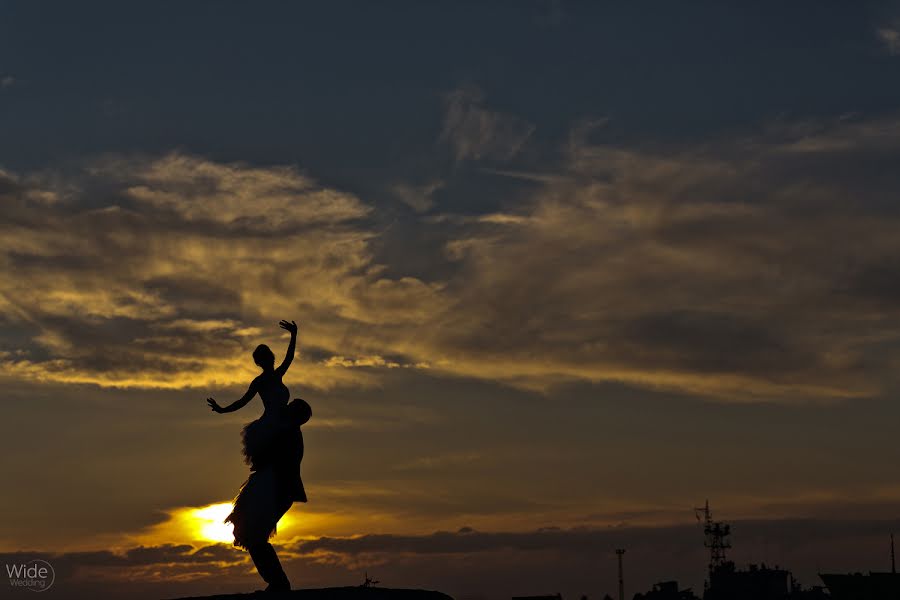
(562,271)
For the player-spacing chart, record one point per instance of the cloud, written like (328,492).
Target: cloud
(711,269)
(417,197)
(142,571)
(474,132)
(271,198)
(890,39)
(161,272)
(721,268)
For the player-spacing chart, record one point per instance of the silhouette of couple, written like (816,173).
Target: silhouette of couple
(273,447)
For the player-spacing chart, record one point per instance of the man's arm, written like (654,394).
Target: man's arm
(292,346)
(238,404)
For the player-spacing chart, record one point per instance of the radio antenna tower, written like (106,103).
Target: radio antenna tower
(619,553)
(893,563)
(716,533)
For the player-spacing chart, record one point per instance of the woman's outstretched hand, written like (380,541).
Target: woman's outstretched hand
(214,405)
(290,326)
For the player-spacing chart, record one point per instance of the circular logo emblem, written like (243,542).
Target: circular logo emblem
(35,575)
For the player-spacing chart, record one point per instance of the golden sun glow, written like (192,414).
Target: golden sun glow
(209,522)
(202,525)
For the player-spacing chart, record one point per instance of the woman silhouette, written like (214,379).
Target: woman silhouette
(273,447)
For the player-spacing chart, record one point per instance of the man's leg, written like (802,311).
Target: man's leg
(269,567)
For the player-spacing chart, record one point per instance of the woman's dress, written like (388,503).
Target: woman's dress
(273,447)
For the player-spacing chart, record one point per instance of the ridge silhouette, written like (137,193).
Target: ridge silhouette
(273,448)
(339,593)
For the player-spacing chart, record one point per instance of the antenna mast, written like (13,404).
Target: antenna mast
(716,533)
(620,552)
(893,564)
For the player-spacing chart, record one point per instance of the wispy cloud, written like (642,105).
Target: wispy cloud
(708,268)
(160,279)
(417,197)
(890,39)
(238,195)
(475,132)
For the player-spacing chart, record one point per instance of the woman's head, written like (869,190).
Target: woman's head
(263,357)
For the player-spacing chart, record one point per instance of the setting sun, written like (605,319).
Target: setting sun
(206,525)
(209,522)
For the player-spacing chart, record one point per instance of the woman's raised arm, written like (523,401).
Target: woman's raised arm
(292,346)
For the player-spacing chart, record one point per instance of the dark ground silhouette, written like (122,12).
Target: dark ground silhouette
(337,593)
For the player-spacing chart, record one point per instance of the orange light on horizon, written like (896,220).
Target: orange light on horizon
(199,525)
(209,522)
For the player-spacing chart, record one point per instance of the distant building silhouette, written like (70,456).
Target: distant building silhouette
(873,586)
(667,590)
(859,586)
(756,583)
